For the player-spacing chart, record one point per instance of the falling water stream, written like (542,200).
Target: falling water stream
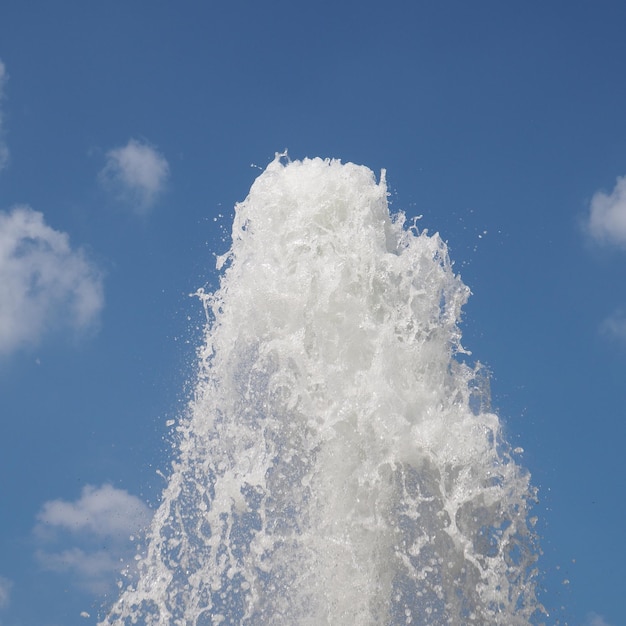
(339,463)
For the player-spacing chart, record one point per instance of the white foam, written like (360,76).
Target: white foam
(338,464)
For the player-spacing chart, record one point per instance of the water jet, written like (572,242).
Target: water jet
(339,462)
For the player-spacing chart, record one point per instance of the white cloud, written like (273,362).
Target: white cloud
(593,619)
(136,174)
(607,217)
(102,511)
(614,326)
(90,538)
(4,151)
(5,592)
(44,284)
(94,571)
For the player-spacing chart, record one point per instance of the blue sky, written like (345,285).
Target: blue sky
(129,130)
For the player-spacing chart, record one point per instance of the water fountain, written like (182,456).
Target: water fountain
(339,463)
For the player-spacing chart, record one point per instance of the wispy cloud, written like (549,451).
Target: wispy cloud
(136,173)
(5,592)
(614,326)
(44,283)
(593,619)
(4,151)
(607,215)
(72,535)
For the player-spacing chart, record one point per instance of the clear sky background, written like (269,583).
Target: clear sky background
(128,130)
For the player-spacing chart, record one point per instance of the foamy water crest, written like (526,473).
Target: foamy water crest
(339,463)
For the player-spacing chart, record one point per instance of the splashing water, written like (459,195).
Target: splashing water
(339,463)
